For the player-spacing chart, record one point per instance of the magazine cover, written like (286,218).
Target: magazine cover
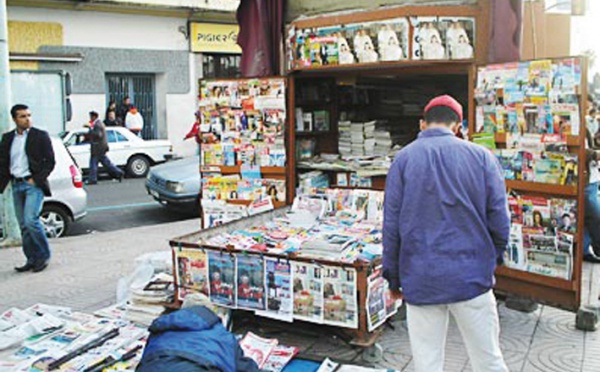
(250,282)
(192,271)
(428,41)
(339,297)
(221,268)
(515,255)
(279,279)
(257,348)
(380,305)
(564,214)
(308,292)
(460,36)
(280,356)
(376,310)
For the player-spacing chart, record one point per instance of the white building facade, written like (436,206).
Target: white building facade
(122,50)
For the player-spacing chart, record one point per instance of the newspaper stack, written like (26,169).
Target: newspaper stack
(383,142)
(326,246)
(147,303)
(363,141)
(345,141)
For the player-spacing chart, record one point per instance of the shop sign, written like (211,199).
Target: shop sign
(214,38)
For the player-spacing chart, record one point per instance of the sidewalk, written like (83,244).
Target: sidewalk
(85,270)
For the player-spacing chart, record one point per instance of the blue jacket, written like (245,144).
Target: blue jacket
(446,221)
(193,339)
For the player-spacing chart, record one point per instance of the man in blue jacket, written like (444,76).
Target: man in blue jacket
(446,226)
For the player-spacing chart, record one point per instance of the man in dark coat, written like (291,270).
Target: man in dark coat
(26,160)
(123,109)
(99,148)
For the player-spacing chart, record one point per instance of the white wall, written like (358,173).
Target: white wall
(180,116)
(230,5)
(82,104)
(109,30)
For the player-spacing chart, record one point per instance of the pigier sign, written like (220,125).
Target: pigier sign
(214,38)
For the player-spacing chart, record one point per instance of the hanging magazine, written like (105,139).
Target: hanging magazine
(308,292)
(339,297)
(279,279)
(221,268)
(192,271)
(250,282)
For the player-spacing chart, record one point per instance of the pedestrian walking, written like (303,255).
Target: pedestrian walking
(446,226)
(26,160)
(98,149)
(134,121)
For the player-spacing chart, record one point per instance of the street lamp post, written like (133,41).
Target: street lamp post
(12,235)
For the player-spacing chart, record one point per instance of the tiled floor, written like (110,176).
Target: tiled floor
(85,271)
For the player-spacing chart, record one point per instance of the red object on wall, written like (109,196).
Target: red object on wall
(261,28)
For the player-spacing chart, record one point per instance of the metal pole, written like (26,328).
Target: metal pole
(11,231)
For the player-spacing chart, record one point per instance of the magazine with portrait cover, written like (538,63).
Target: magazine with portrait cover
(459,35)
(250,282)
(308,292)
(192,271)
(278,283)
(223,278)
(428,40)
(339,297)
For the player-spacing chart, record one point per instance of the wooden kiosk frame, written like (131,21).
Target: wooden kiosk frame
(561,293)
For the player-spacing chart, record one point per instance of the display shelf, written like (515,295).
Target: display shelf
(572,141)
(535,278)
(450,65)
(543,188)
(374,187)
(276,204)
(308,134)
(237,169)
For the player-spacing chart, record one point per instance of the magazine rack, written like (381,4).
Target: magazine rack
(304,71)
(360,336)
(560,292)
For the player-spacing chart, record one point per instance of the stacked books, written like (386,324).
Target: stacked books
(345,141)
(362,138)
(383,142)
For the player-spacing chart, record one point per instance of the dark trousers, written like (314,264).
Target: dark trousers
(106,163)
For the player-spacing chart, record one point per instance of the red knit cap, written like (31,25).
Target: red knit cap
(447,101)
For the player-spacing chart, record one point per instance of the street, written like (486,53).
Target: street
(114,206)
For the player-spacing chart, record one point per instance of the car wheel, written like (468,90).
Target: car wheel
(138,166)
(56,221)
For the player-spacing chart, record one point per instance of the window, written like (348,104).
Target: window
(121,138)
(110,136)
(221,65)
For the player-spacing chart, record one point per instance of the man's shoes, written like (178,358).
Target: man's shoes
(591,258)
(40,267)
(24,268)
(120,178)
(91,182)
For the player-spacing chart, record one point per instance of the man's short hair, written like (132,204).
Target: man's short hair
(94,113)
(17,107)
(442,115)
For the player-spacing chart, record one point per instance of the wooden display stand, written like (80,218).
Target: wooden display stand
(553,291)
(359,337)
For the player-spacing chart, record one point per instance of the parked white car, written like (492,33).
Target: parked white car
(127,150)
(68,202)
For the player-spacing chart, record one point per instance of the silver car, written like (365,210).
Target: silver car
(68,202)
(176,184)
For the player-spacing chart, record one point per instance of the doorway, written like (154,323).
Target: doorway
(141,89)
